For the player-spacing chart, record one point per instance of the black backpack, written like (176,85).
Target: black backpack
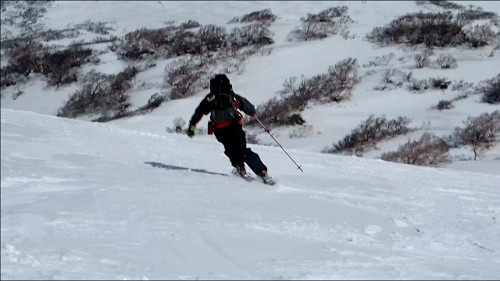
(223,99)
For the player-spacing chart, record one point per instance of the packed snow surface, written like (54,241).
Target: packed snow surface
(80,201)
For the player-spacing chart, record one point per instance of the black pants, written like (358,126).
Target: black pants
(235,146)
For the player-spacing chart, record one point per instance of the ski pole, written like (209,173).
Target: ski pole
(267,130)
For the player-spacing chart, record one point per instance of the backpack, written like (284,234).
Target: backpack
(223,99)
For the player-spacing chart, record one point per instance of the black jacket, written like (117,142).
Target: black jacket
(207,105)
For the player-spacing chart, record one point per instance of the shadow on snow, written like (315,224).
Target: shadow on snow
(172,167)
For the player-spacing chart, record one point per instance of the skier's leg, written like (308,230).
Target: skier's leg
(251,158)
(232,145)
(254,162)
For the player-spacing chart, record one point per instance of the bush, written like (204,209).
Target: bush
(432,30)
(431,83)
(260,16)
(478,36)
(95,27)
(422,60)
(26,58)
(257,34)
(369,133)
(154,101)
(490,90)
(301,132)
(335,86)
(380,60)
(100,94)
(321,25)
(184,76)
(59,67)
(179,126)
(481,131)
(439,83)
(445,4)
(393,77)
(429,150)
(418,85)
(9,77)
(461,86)
(472,15)
(212,37)
(444,105)
(173,40)
(446,61)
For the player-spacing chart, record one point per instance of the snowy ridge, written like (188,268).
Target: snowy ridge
(78,202)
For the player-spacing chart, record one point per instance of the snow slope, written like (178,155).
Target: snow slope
(263,74)
(78,202)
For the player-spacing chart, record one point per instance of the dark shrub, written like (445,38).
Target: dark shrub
(95,27)
(155,101)
(173,40)
(418,85)
(257,34)
(321,25)
(393,77)
(184,76)
(59,66)
(183,42)
(212,37)
(431,29)
(369,133)
(472,15)
(190,24)
(26,58)
(446,4)
(142,42)
(261,16)
(444,105)
(335,86)
(446,61)
(490,90)
(100,94)
(461,86)
(439,83)
(481,131)
(478,36)
(429,150)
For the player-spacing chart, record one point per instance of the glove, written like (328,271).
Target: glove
(190,131)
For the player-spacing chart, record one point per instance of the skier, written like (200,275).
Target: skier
(226,123)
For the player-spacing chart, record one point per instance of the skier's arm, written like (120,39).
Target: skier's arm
(202,109)
(245,105)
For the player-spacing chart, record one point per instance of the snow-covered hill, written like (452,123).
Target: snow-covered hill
(79,202)
(264,74)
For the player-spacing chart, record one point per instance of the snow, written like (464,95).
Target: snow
(78,200)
